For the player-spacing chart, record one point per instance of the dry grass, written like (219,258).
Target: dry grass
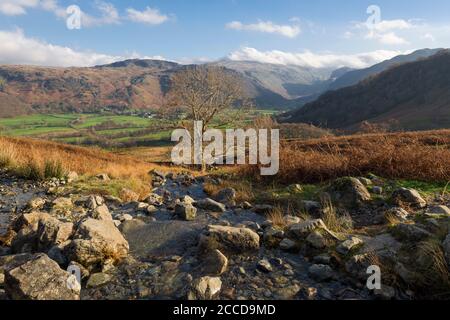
(414,155)
(433,265)
(244,190)
(340,223)
(277,216)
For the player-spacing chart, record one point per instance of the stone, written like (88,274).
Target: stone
(409,197)
(311,207)
(348,245)
(357,266)
(96,241)
(53,232)
(72,176)
(187,200)
(349,192)
(93,202)
(151,209)
(186,212)
(287,293)
(246,205)
(407,276)
(154,200)
(264,266)
(102,213)
(230,239)
(126,217)
(438,210)
(289,220)
(288,245)
(39,278)
(210,205)
(320,272)
(35,204)
(215,263)
(272,236)
(323,258)
(411,232)
(316,240)
(303,229)
(97,280)
(398,213)
(365,181)
(206,288)
(142,206)
(377,190)
(62,205)
(103,177)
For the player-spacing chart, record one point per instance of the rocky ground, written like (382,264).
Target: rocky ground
(176,243)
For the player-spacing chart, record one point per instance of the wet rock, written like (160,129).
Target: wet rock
(320,272)
(205,288)
(316,240)
(411,232)
(230,239)
(348,192)
(211,205)
(102,213)
(264,266)
(97,280)
(186,211)
(39,278)
(348,245)
(215,263)
(95,242)
(409,197)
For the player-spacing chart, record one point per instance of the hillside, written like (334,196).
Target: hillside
(412,96)
(137,84)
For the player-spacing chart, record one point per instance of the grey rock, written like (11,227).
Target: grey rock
(446,246)
(439,210)
(288,245)
(206,288)
(102,213)
(211,205)
(316,240)
(348,192)
(215,263)
(409,197)
(411,232)
(97,280)
(39,278)
(230,239)
(348,245)
(264,266)
(186,211)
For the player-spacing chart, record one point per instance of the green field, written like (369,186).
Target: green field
(106,130)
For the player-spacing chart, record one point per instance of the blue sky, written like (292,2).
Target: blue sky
(312,33)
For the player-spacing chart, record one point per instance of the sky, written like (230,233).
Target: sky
(319,33)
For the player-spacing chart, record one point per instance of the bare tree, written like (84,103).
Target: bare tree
(207,92)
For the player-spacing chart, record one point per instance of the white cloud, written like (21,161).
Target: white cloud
(16,7)
(314,60)
(389,38)
(148,16)
(290,31)
(16,48)
(386,32)
(109,15)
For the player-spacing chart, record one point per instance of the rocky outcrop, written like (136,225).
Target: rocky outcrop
(408,197)
(230,239)
(349,192)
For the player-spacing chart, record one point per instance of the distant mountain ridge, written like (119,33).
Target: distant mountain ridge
(410,96)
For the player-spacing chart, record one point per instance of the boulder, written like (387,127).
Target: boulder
(409,197)
(98,280)
(210,205)
(230,239)
(288,245)
(227,196)
(399,213)
(186,211)
(187,200)
(95,242)
(264,266)
(154,200)
(205,288)
(303,229)
(411,232)
(102,213)
(349,192)
(39,278)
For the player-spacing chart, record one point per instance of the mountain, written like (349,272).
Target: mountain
(353,77)
(139,84)
(413,96)
(288,81)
